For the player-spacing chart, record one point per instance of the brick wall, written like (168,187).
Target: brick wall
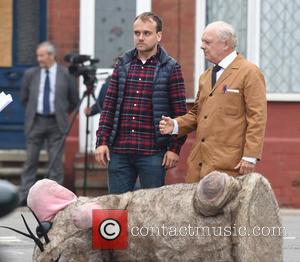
(179,40)
(281,156)
(63,26)
(63,31)
(179,34)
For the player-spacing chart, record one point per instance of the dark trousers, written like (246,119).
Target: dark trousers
(45,130)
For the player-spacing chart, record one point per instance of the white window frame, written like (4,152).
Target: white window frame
(253,46)
(87,47)
(199,56)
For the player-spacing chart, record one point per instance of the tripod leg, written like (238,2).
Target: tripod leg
(86,148)
(87,132)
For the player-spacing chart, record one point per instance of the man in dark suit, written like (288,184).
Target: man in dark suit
(49,93)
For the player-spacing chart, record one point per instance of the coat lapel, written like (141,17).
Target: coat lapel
(227,72)
(36,83)
(58,80)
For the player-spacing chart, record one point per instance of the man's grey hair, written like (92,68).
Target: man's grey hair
(226,32)
(50,47)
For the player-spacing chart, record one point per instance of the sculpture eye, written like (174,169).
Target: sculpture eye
(43,228)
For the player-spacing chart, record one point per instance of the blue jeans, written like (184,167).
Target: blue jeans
(123,170)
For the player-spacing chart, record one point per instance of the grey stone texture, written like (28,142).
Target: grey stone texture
(221,218)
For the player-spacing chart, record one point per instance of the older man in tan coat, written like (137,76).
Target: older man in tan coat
(230,111)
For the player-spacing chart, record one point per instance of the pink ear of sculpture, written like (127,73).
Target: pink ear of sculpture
(46,197)
(82,215)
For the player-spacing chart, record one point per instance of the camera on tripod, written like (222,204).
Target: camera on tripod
(83,65)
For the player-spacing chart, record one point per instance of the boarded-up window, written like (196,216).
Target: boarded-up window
(6,32)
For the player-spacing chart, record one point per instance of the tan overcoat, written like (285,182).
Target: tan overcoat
(229,120)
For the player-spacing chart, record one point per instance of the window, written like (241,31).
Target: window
(233,12)
(280,45)
(113,29)
(268,35)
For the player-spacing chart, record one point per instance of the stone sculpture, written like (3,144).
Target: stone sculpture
(224,219)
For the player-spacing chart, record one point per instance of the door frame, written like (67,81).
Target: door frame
(87,46)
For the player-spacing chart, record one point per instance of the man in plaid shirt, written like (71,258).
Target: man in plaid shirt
(146,84)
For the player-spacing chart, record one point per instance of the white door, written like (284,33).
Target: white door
(105,33)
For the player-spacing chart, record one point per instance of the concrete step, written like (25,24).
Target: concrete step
(91,192)
(96,180)
(92,174)
(13,174)
(19,156)
(94,188)
(90,184)
(17,171)
(90,166)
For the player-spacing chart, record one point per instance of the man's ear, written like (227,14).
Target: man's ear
(227,45)
(158,36)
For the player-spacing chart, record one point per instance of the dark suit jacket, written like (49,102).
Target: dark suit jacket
(66,96)
(101,97)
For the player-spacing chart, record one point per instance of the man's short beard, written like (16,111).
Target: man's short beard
(148,50)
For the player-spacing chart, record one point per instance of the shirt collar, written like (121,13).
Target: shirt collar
(52,69)
(152,58)
(225,62)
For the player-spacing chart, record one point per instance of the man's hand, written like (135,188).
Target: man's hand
(166,125)
(87,111)
(102,155)
(245,167)
(170,160)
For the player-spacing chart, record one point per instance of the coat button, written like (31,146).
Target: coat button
(200,164)
(202,140)
(205,117)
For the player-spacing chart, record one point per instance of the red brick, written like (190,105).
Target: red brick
(178,35)
(63,31)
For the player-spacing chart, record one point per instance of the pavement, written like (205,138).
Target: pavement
(15,247)
(18,248)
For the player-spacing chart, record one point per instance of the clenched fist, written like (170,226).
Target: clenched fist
(166,125)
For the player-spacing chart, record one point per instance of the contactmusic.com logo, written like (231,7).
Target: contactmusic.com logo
(110,229)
